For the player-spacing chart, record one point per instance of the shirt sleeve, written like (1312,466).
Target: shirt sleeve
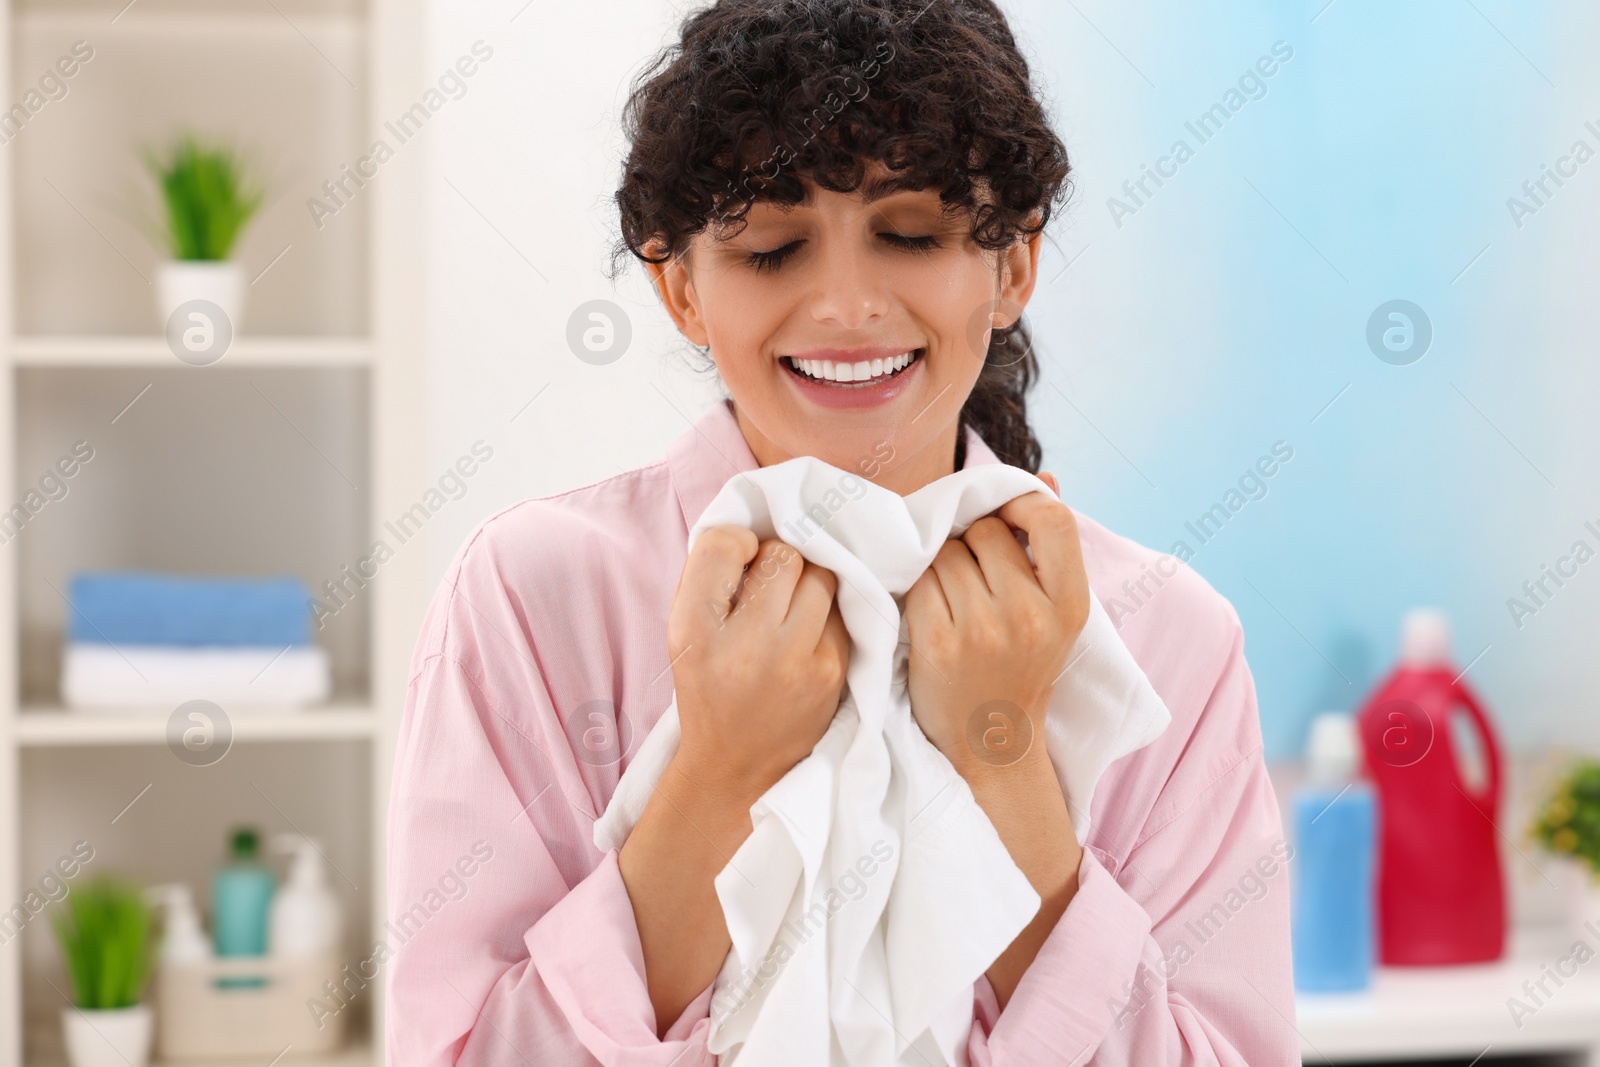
(1179,952)
(509,964)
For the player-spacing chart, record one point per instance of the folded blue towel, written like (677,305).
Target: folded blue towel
(135,608)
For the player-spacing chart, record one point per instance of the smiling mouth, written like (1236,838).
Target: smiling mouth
(852,375)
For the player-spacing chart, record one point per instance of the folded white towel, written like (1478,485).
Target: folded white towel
(873,890)
(100,675)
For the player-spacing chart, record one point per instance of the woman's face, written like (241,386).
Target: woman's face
(850,330)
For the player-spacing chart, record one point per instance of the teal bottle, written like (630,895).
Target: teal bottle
(241,901)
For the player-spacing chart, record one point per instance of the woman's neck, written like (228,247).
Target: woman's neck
(904,474)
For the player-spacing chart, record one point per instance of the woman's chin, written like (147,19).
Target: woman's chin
(870,456)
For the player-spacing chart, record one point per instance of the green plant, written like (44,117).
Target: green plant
(207,195)
(1569,821)
(105,940)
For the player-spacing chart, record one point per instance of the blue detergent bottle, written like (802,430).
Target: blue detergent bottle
(1335,826)
(241,901)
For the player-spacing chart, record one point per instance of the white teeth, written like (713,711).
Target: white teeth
(866,370)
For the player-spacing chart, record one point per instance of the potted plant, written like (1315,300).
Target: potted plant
(207,199)
(1568,824)
(104,935)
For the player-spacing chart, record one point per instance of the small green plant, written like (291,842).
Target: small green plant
(105,939)
(207,195)
(1569,821)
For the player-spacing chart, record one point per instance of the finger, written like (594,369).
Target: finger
(926,599)
(769,581)
(959,577)
(1053,538)
(714,566)
(811,601)
(1050,480)
(835,638)
(1001,560)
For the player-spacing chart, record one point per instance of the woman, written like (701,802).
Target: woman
(841,200)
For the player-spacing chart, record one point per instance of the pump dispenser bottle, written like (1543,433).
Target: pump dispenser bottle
(305,914)
(183,940)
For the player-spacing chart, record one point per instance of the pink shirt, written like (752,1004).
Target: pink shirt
(514,939)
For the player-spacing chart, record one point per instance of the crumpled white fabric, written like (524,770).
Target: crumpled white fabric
(873,890)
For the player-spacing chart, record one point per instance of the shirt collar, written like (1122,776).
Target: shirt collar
(713,450)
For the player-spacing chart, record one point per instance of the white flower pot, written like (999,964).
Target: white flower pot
(1583,899)
(118,1037)
(221,282)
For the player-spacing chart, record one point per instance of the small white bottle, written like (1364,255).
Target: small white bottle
(183,940)
(305,917)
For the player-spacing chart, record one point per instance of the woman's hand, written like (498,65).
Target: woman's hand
(990,633)
(759,652)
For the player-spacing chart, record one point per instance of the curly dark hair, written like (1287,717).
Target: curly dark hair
(758,94)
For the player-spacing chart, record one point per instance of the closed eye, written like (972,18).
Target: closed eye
(774,259)
(771,261)
(917,244)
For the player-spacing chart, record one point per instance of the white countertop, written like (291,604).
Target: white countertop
(1462,1011)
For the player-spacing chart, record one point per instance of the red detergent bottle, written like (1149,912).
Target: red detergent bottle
(1441,889)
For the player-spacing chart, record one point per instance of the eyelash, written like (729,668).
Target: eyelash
(774,259)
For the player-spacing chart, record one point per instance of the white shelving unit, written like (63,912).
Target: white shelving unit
(282,457)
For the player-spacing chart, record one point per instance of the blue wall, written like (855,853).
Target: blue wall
(1222,312)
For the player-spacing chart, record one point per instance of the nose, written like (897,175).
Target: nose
(850,290)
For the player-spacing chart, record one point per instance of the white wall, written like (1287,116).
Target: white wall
(521,166)
(1221,317)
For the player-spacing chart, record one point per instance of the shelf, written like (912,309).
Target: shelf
(110,351)
(44,725)
(354,1055)
(1459,1011)
(204,15)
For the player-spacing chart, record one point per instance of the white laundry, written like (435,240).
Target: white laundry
(144,676)
(874,891)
